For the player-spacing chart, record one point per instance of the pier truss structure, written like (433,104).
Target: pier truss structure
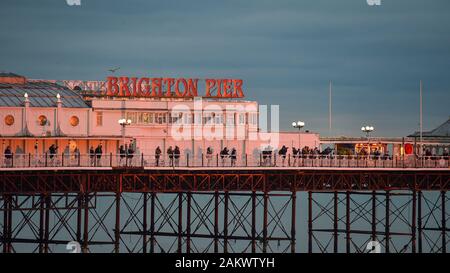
(225,211)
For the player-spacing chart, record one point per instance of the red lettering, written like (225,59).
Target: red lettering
(157,87)
(178,93)
(133,86)
(146,92)
(210,84)
(112,86)
(219,88)
(237,92)
(226,87)
(169,82)
(192,87)
(123,86)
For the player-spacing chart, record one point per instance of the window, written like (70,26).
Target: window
(146,118)
(99,118)
(9,120)
(132,116)
(208,118)
(253,119)
(219,119)
(198,118)
(74,121)
(242,118)
(151,117)
(42,120)
(230,119)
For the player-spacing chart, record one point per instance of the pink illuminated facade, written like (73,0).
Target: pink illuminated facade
(35,114)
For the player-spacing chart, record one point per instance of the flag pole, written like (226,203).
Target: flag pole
(421,120)
(329,110)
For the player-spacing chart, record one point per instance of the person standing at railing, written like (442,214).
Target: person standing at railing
(233,157)
(92,156)
(98,154)
(8,156)
(282,153)
(66,155)
(157,156)
(170,154)
(76,154)
(224,155)
(122,154)
(176,154)
(130,153)
(294,155)
(209,154)
(52,150)
(445,153)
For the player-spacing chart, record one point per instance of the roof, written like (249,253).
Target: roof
(442,130)
(9,74)
(40,94)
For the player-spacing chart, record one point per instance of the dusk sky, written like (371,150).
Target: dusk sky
(285,51)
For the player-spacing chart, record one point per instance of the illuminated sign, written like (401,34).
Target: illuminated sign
(172,87)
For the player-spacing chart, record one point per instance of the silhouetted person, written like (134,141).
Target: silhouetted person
(233,157)
(92,155)
(176,155)
(209,154)
(130,153)
(52,150)
(98,154)
(282,153)
(8,156)
(224,155)
(157,155)
(170,154)
(122,154)
(295,155)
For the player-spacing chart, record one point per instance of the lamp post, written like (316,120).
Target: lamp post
(367,129)
(299,125)
(124,122)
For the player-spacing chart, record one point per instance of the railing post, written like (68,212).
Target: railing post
(110,160)
(29,159)
(142,160)
(45,159)
(62,160)
(217,160)
(202,159)
(12,160)
(187,160)
(246,160)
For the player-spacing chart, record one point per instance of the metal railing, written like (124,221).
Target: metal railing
(217,160)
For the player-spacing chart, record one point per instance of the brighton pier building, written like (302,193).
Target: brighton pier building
(142,113)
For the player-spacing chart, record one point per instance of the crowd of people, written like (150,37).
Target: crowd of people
(227,156)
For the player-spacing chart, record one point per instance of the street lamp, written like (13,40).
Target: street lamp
(299,125)
(124,122)
(367,129)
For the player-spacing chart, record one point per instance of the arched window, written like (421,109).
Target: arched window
(42,120)
(74,121)
(9,120)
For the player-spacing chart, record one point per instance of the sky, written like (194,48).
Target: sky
(285,51)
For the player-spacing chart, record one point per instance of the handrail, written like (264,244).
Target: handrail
(217,160)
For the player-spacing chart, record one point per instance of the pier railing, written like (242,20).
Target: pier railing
(216,160)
